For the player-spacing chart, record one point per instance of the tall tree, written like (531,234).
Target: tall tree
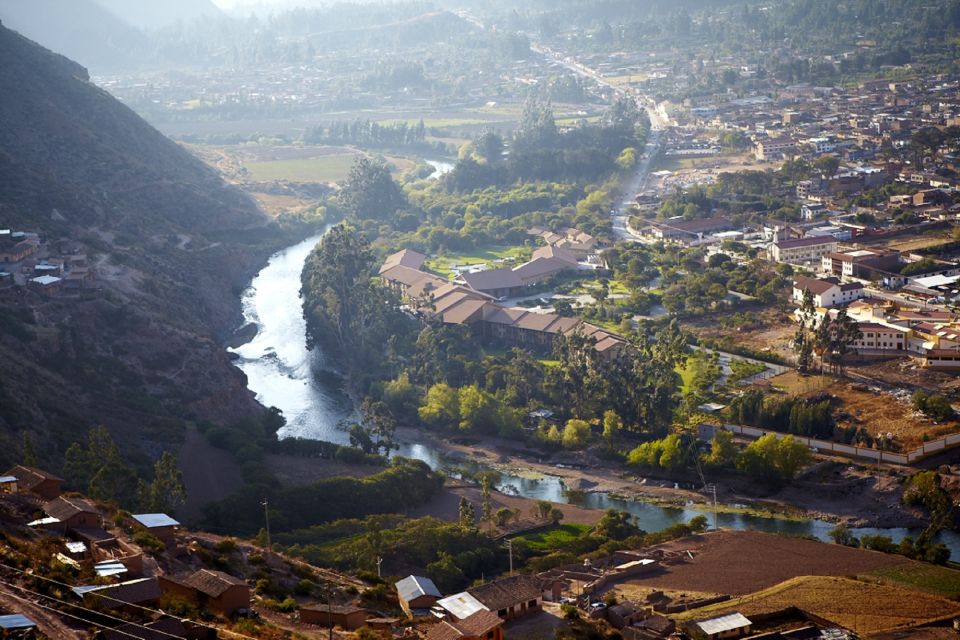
(370,192)
(345,309)
(166,492)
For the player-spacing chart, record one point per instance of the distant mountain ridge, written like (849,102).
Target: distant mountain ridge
(105,35)
(170,246)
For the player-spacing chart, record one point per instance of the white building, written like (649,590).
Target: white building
(827,292)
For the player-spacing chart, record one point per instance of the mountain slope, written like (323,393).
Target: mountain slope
(170,244)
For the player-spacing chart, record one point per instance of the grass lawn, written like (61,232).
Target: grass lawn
(329,168)
(686,376)
(942,581)
(554,537)
(615,287)
(441,264)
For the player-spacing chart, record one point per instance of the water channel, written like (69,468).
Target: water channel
(284,373)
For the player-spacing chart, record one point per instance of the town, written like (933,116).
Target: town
(572,320)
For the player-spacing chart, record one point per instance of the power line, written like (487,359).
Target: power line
(128,604)
(82,608)
(68,615)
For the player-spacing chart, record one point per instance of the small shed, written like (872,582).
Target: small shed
(16,626)
(732,625)
(346,617)
(159,525)
(417,593)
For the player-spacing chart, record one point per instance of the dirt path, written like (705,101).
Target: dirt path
(210,474)
(49,623)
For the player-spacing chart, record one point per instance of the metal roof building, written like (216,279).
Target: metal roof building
(729,626)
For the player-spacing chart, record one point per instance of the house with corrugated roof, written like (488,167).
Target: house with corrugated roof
(417,594)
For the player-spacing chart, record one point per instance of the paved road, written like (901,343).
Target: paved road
(658,124)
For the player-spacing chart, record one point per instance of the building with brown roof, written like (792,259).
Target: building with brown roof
(510,597)
(129,596)
(70,512)
(482,625)
(212,590)
(36,481)
(404,258)
(346,617)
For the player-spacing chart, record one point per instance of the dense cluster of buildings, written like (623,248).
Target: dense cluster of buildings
(472,298)
(26,260)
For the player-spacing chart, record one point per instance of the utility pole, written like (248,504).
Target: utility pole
(266,515)
(509,544)
(712,487)
(379,562)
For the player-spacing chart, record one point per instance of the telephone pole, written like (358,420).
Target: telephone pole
(379,562)
(712,487)
(509,544)
(266,516)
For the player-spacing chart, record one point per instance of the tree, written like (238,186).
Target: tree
(827,165)
(376,428)
(28,456)
(478,409)
(576,434)
(612,424)
(616,525)
(840,534)
(792,455)
(441,406)
(486,506)
(723,451)
(542,509)
(370,191)
(556,515)
(345,309)
(503,516)
(466,515)
(166,492)
(489,146)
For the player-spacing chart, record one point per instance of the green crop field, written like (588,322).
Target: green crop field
(942,581)
(330,168)
(554,537)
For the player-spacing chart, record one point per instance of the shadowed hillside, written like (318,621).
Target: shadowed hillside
(168,246)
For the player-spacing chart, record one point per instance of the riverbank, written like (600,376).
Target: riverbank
(829,490)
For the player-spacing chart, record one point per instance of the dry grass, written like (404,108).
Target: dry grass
(860,606)
(871,409)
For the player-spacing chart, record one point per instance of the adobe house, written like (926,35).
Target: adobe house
(127,596)
(69,512)
(159,525)
(334,615)
(482,625)
(417,593)
(510,597)
(36,481)
(212,590)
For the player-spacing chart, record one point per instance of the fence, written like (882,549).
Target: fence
(850,451)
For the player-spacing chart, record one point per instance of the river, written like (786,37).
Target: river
(284,373)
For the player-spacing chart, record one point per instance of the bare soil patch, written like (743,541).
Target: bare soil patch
(769,329)
(742,562)
(209,474)
(867,406)
(860,606)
